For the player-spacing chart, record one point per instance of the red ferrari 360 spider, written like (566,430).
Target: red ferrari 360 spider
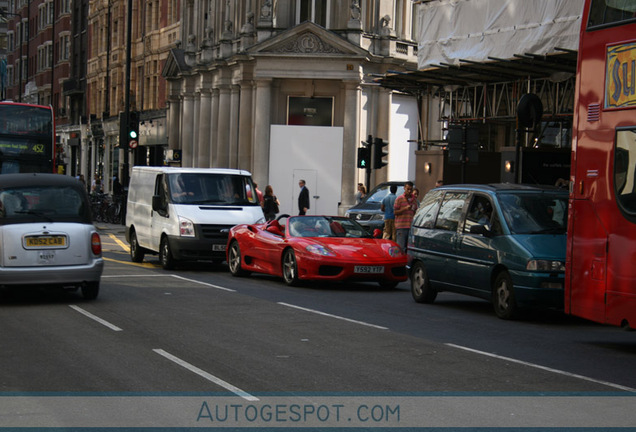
(315,248)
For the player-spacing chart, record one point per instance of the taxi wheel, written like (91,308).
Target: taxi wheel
(503,296)
(136,251)
(165,255)
(90,290)
(234,260)
(421,288)
(290,268)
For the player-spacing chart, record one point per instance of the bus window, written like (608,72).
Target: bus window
(607,12)
(625,170)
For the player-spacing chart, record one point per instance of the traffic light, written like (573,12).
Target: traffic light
(133,126)
(364,156)
(379,153)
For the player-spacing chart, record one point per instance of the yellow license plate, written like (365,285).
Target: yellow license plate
(45,241)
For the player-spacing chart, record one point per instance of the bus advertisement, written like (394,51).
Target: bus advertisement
(601,252)
(27,138)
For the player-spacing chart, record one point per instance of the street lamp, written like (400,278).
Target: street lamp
(5,13)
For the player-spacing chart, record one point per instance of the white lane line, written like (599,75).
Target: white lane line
(333,316)
(203,283)
(533,365)
(96,318)
(207,376)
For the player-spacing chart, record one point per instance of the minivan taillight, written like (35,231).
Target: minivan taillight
(96,244)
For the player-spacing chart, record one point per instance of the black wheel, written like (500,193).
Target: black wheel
(136,252)
(90,291)
(165,255)
(234,260)
(421,288)
(290,268)
(503,296)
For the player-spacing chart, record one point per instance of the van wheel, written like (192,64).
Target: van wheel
(90,290)
(503,296)
(165,255)
(290,268)
(421,288)
(234,260)
(136,252)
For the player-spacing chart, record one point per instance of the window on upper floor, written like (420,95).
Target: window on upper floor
(316,11)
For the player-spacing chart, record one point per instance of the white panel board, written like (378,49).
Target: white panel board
(404,117)
(310,151)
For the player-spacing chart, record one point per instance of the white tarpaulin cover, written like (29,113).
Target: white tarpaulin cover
(475,30)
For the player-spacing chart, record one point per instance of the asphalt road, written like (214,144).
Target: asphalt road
(199,330)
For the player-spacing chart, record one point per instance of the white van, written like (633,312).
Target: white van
(185,214)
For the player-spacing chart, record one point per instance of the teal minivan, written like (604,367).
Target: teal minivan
(504,243)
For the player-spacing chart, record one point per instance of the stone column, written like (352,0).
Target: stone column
(246,126)
(174,126)
(196,124)
(262,121)
(214,128)
(223,133)
(203,153)
(351,138)
(234,122)
(187,122)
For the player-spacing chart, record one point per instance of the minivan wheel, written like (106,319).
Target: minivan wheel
(290,268)
(503,296)
(90,290)
(234,260)
(136,252)
(421,288)
(165,255)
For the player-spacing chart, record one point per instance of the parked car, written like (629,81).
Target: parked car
(47,237)
(504,243)
(328,248)
(368,213)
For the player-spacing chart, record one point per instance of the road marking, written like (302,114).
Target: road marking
(207,376)
(96,318)
(202,283)
(145,265)
(333,316)
(121,244)
(545,368)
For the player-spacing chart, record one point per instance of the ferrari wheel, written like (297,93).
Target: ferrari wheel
(234,260)
(290,268)
(421,288)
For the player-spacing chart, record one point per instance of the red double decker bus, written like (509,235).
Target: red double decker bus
(601,251)
(27,138)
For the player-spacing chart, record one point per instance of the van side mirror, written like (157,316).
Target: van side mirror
(480,229)
(156,203)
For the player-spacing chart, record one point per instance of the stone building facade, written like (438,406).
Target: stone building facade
(247,70)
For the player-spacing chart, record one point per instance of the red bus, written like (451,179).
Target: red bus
(600,278)
(27,138)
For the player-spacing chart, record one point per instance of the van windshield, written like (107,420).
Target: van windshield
(535,213)
(217,189)
(43,203)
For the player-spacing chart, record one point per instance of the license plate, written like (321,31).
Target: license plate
(218,248)
(369,269)
(37,242)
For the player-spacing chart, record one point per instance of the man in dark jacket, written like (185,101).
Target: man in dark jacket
(303,198)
